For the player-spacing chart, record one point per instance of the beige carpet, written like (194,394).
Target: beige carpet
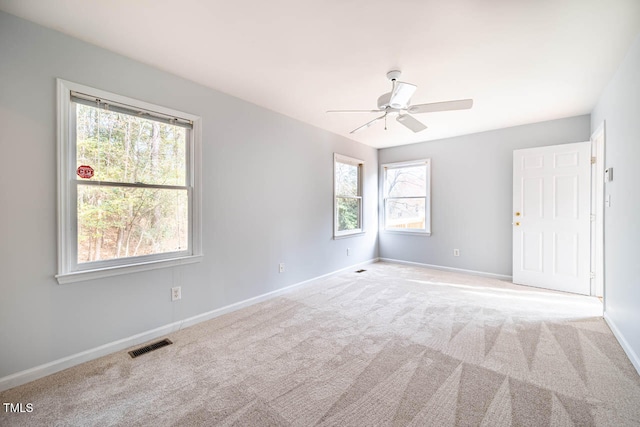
(394,345)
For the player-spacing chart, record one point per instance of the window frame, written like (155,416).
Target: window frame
(427,197)
(69,270)
(340,158)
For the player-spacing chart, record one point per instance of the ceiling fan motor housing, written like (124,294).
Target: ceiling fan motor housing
(384,103)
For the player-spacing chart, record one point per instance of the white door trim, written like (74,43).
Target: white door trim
(597,211)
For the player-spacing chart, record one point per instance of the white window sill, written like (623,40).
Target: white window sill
(344,236)
(99,273)
(409,233)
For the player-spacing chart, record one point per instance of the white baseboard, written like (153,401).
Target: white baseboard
(41,371)
(633,357)
(452,269)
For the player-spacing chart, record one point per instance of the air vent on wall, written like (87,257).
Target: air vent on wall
(150,347)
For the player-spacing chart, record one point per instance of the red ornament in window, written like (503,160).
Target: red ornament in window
(85,171)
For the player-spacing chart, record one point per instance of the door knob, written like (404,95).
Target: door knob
(516,224)
(517,213)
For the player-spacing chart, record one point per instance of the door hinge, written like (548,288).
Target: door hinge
(593,160)
(592,275)
(593,218)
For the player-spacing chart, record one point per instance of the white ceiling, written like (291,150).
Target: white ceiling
(522,61)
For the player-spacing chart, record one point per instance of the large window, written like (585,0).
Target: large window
(347,195)
(406,197)
(127,185)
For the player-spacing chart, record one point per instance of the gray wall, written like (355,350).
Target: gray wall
(471,189)
(267,186)
(619,106)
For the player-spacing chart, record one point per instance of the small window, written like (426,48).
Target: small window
(127,185)
(347,195)
(407,203)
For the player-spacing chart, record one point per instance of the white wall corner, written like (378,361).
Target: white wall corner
(451,269)
(633,357)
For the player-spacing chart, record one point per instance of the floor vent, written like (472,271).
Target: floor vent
(360,271)
(150,347)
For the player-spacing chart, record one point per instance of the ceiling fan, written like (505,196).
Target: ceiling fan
(397,102)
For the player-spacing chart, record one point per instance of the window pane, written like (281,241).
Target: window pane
(406,181)
(125,148)
(346,179)
(348,213)
(405,214)
(120,222)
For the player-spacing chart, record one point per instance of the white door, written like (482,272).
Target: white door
(551,217)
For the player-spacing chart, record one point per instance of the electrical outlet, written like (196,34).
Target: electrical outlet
(281,267)
(456,252)
(348,251)
(176,293)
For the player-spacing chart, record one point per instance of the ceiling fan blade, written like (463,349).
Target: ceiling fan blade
(410,122)
(462,104)
(401,94)
(353,111)
(366,125)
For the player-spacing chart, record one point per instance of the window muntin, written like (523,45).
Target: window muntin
(406,197)
(138,206)
(347,195)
